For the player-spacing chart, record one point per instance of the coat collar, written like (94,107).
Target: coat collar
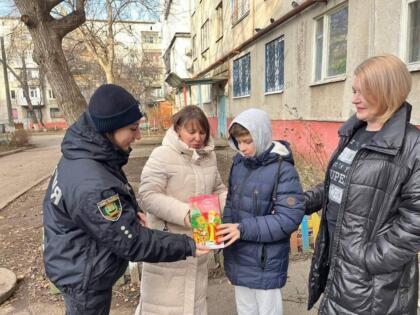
(173,141)
(387,140)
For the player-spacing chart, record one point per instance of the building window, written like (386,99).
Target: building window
(194,46)
(51,94)
(239,9)
(331,44)
(274,65)
(219,21)
(205,36)
(56,113)
(413,31)
(13,94)
(242,76)
(33,93)
(33,74)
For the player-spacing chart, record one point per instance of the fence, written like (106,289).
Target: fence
(304,238)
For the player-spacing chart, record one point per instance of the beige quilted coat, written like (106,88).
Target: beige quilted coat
(171,175)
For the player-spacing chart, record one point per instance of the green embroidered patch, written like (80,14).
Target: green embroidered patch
(110,208)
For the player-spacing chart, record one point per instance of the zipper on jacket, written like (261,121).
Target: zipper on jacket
(256,203)
(263,256)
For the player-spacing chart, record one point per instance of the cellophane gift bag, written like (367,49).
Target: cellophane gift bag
(205,216)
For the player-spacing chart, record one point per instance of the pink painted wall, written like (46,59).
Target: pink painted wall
(315,140)
(213,126)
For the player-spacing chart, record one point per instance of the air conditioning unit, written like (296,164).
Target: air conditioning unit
(189,65)
(188,51)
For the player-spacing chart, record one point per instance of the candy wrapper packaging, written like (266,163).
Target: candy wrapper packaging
(205,216)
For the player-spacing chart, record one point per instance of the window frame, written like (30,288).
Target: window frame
(205,26)
(248,54)
(194,47)
(56,110)
(405,36)
(325,58)
(12,94)
(239,18)
(219,21)
(33,93)
(280,39)
(51,94)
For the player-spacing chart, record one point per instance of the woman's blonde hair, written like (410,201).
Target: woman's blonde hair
(385,84)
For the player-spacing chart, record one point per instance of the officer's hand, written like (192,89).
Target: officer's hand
(142,218)
(201,250)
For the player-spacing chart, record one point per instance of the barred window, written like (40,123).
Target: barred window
(242,76)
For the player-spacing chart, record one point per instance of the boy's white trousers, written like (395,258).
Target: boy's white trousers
(258,302)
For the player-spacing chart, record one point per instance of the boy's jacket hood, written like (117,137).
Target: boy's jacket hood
(257,122)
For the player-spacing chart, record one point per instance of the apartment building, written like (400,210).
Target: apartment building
(176,47)
(295,59)
(138,49)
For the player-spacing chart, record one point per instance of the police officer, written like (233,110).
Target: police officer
(91,217)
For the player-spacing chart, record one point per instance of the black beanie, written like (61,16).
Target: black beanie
(112,107)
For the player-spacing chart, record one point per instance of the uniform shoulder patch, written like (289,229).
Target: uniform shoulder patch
(110,208)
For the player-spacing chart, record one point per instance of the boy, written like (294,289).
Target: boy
(264,206)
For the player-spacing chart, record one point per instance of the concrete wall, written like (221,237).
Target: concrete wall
(372,30)
(179,58)
(177,21)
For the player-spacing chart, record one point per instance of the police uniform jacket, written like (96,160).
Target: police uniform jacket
(90,225)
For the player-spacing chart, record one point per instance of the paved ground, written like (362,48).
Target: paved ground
(21,171)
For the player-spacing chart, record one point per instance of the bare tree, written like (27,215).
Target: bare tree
(100,34)
(47,32)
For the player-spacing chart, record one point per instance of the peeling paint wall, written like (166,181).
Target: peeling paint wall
(374,27)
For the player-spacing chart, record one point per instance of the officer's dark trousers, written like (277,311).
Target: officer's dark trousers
(87,302)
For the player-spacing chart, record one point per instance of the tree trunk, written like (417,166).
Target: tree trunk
(47,34)
(25,88)
(109,72)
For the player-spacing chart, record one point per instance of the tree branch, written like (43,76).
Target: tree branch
(71,21)
(13,72)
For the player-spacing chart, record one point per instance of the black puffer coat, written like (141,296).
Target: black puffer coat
(372,267)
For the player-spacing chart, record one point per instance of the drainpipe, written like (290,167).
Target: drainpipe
(261,33)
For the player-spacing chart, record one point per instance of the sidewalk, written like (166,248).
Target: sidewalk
(21,171)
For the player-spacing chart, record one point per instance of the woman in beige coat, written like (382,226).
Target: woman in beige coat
(183,166)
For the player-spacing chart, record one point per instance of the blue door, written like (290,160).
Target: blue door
(221,117)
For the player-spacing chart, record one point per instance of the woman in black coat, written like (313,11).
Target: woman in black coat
(365,259)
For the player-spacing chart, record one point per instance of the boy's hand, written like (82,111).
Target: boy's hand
(229,231)
(201,250)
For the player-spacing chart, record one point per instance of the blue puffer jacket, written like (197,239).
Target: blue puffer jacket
(259,260)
